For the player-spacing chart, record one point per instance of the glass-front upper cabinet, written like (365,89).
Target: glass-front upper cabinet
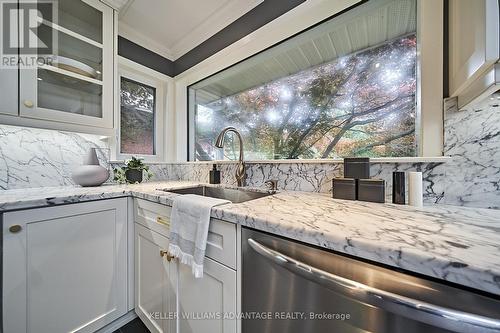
(72,81)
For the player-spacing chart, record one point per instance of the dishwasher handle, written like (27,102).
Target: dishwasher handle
(432,314)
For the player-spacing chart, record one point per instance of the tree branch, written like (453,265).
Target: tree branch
(385,141)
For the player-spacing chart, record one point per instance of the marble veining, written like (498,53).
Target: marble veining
(472,139)
(460,245)
(457,244)
(32,157)
(314,177)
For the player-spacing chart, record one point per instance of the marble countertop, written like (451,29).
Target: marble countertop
(460,245)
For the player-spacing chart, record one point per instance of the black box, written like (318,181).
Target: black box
(344,188)
(398,188)
(357,168)
(372,190)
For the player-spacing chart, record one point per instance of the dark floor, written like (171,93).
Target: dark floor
(135,326)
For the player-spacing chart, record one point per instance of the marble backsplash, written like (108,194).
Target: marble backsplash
(472,139)
(309,177)
(36,158)
(32,157)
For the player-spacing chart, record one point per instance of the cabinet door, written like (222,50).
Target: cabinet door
(155,281)
(8,91)
(65,268)
(75,85)
(214,294)
(473,41)
(9,82)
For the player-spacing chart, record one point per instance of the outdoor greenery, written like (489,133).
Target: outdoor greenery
(359,105)
(137,105)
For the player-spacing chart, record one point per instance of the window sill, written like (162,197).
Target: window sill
(436,159)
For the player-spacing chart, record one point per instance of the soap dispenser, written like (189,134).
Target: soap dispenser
(214,175)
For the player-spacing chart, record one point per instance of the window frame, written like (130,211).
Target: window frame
(143,75)
(430,46)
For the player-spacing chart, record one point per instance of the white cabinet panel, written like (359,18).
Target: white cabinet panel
(166,288)
(155,281)
(221,239)
(153,216)
(66,269)
(221,242)
(8,91)
(9,78)
(215,293)
(473,44)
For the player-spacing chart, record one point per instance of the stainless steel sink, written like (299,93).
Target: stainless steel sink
(231,194)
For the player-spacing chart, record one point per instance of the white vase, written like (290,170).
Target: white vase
(91,173)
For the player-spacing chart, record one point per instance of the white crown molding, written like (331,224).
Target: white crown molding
(116,4)
(131,34)
(125,8)
(221,18)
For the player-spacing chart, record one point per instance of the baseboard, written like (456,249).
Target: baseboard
(123,320)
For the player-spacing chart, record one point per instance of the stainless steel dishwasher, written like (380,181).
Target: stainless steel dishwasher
(293,288)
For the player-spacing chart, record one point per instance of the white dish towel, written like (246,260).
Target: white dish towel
(189,222)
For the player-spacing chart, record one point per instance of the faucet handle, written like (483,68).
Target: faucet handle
(271,185)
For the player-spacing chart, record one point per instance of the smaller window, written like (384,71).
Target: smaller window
(137,118)
(142,109)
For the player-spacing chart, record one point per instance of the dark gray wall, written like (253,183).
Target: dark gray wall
(246,24)
(143,56)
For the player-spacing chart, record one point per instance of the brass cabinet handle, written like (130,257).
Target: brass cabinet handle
(163,221)
(15,228)
(165,253)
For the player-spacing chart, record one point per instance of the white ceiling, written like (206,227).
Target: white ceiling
(173,27)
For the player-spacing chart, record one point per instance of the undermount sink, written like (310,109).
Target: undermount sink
(231,194)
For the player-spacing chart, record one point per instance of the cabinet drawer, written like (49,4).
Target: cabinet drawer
(153,216)
(221,241)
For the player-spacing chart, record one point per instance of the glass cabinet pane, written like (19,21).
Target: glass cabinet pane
(71,79)
(78,17)
(73,54)
(64,93)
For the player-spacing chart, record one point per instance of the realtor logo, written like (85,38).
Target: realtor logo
(28,38)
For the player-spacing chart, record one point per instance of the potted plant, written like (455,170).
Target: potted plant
(132,172)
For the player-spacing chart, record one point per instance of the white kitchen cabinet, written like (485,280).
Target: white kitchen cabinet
(212,295)
(166,287)
(473,47)
(77,88)
(65,267)
(8,92)
(155,281)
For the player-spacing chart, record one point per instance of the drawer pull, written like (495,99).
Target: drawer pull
(15,228)
(163,221)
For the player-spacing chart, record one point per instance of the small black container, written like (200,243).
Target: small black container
(214,177)
(372,190)
(398,188)
(344,188)
(357,168)
(133,175)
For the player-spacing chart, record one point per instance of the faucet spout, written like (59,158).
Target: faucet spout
(219,143)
